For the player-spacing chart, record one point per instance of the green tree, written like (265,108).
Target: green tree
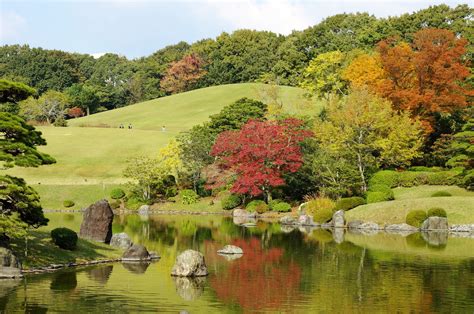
(462,148)
(50,107)
(11,93)
(364,128)
(83,96)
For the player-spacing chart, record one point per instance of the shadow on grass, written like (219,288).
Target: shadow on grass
(42,251)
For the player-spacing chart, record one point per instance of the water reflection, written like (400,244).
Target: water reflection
(136,267)
(100,274)
(64,281)
(189,289)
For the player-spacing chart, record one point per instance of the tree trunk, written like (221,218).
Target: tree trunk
(361,172)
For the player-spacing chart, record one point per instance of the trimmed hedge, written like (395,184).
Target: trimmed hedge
(375,197)
(348,203)
(441,194)
(281,207)
(258,206)
(64,238)
(231,202)
(437,212)
(117,194)
(188,197)
(413,178)
(416,217)
(68,203)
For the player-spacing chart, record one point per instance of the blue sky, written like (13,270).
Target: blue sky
(138,28)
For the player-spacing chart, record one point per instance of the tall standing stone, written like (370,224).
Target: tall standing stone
(97,222)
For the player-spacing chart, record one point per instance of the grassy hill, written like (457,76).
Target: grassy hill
(87,154)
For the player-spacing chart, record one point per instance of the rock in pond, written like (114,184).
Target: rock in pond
(136,253)
(239,212)
(288,220)
(189,263)
(97,222)
(305,220)
(144,210)
(9,265)
(338,220)
(435,223)
(230,249)
(121,240)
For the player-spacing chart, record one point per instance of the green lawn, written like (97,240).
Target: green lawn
(424,191)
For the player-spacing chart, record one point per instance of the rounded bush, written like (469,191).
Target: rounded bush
(380,188)
(441,194)
(133,203)
(437,212)
(231,202)
(281,207)
(323,215)
(188,197)
(64,238)
(386,177)
(375,197)
(416,217)
(321,208)
(117,194)
(252,206)
(347,203)
(68,203)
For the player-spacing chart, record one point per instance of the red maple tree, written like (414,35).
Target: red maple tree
(426,77)
(75,112)
(260,153)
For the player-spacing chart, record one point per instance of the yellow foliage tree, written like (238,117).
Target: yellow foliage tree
(365,70)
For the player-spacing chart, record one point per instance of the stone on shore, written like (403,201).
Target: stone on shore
(288,220)
(435,223)
(305,220)
(121,240)
(401,229)
(230,249)
(462,228)
(189,263)
(338,220)
(239,212)
(354,224)
(136,252)
(144,210)
(97,222)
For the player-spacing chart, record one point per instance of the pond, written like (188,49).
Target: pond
(282,270)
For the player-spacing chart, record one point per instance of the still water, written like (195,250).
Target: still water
(282,270)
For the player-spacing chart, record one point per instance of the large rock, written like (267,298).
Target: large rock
(288,220)
(136,252)
(435,223)
(338,220)
(189,263)
(305,220)
(230,249)
(97,222)
(121,240)
(9,265)
(239,212)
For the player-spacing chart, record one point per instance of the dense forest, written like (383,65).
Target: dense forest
(113,81)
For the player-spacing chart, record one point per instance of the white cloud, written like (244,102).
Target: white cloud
(280,16)
(97,55)
(11,26)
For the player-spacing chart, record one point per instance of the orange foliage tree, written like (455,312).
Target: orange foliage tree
(425,77)
(183,74)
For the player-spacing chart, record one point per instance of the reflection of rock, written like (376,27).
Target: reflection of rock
(435,238)
(230,249)
(239,212)
(189,288)
(401,229)
(239,220)
(306,220)
(97,222)
(462,228)
(6,286)
(9,264)
(121,240)
(287,228)
(338,235)
(100,274)
(306,229)
(288,220)
(435,223)
(136,252)
(64,281)
(154,255)
(190,263)
(136,267)
(327,225)
(231,257)
(354,224)
(338,220)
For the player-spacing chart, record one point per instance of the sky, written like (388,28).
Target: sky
(137,28)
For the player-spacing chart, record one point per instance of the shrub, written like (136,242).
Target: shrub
(437,212)
(416,217)
(444,178)
(262,208)
(375,197)
(60,122)
(133,203)
(380,188)
(68,203)
(117,194)
(441,194)
(349,202)
(385,177)
(171,191)
(188,196)
(231,202)
(273,202)
(409,179)
(64,238)
(425,169)
(281,207)
(252,206)
(321,208)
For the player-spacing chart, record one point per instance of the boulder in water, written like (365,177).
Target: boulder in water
(230,249)
(136,252)
(189,263)
(435,223)
(97,222)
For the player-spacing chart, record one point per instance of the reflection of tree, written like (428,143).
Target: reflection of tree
(260,279)
(64,281)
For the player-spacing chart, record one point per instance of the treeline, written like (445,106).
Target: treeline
(113,81)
